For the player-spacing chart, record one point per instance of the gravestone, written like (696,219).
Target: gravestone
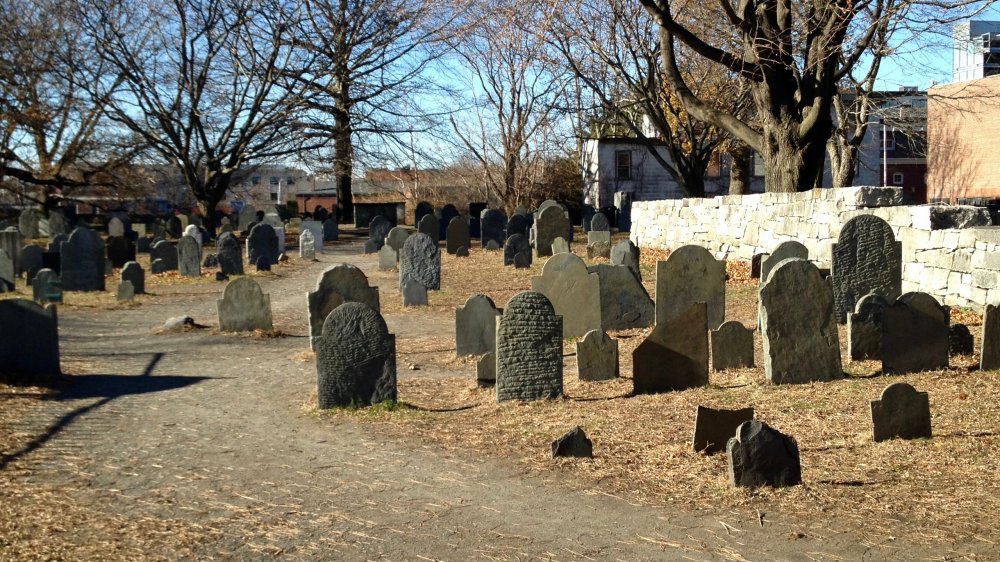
(166,254)
(372,247)
(355,358)
(120,251)
(514,245)
(522,260)
(320,213)
(307,245)
(492,246)
(462,252)
(959,339)
(116,227)
(11,242)
(189,256)
(31,261)
(413,291)
(335,286)
(900,413)
(865,259)
(529,349)
(330,231)
(690,274)
(27,223)
(248,215)
(560,246)
(378,229)
(989,358)
(575,293)
(475,214)
(263,263)
(625,304)
(397,237)
(29,339)
(230,254)
(597,357)
(626,253)
(46,287)
(244,307)
(159,229)
(786,250)
(573,444)
(7,276)
(174,227)
(81,260)
(56,224)
(518,224)
(274,220)
(457,235)
(598,244)
(133,273)
(550,224)
(126,292)
(142,245)
(713,428)
(864,328)
(448,213)
(732,347)
(56,242)
(914,335)
(759,455)
(420,260)
(279,233)
(316,229)
(387,258)
(675,354)
(486,370)
(476,326)
(492,226)
(798,326)
(586,216)
(429,225)
(422,209)
(263,242)
(599,223)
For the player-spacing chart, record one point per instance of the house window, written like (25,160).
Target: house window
(897,178)
(274,180)
(289,180)
(889,142)
(255,180)
(274,197)
(623,164)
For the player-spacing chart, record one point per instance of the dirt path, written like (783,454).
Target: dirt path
(212,431)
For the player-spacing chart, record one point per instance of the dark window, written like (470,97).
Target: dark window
(623,164)
(274,180)
(289,180)
(255,180)
(274,197)
(897,178)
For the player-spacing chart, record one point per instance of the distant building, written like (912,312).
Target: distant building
(976,50)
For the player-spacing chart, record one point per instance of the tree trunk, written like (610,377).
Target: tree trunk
(843,163)
(740,170)
(343,161)
(790,165)
(207,205)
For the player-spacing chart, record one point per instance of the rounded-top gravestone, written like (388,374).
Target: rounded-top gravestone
(230,254)
(339,284)
(429,225)
(378,229)
(263,242)
(420,260)
(244,307)
(355,358)
(457,235)
(865,259)
(492,224)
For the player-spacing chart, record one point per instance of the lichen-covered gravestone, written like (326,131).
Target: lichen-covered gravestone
(492,227)
(422,209)
(133,273)
(378,229)
(574,292)
(865,259)
(625,304)
(29,339)
(316,229)
(263,242)
(864,328)
(514,245)
(230,254)
(82,261)
(690,274)
(759,455)
(355,358)
(713,428)
(11,242)
(429,225)
(194,232)
(598,244)
(457,235)
(675,354)
(476,326)
(914,335)
(597,357)
(990,353)
(599,223)
(339,284)
(414,293)
(560,246)
(551,224)
(420,260)
(900,412)
(244,307)
(626,253)
(307,245)
(529,349)
(732,346)
(189,256)
(798,326)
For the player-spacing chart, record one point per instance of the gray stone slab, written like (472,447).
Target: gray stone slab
(7,276)
(244,307)
(732,348)
(335,286)
(529,349)
(31,261)
(355,358)
(914,335)
(230,254)
(12,242)
(448,213)
(81,261)
(387,258)
(866,259)
(514,245)
(457,235)
(29,339)
(174,227)
(134,274)
(625,304)
(626,253)
(316,229)
(116,227)
(430,226)
(422,209)
(263,242)
(307,245)
(420,260)
(599,249)
(476,326)
(864,328)
(492,227)
(574,292)
(248,214)
(126,292)
(397,237)
(597,357)
(522,260)
(46,287)
(901,413)
(414,293)
(120,250)
(599,223)
(486,370)
(166,254)
(761,456)
(27,223)
(714,428)
(331,232)
(784,251)
(675,354)
(189,256)
(518,224)
(551,223)
(559,246)
(990,353)
(690,275)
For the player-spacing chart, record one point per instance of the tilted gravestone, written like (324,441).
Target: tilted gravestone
(732,346)
(518,224)
(335,286)
(989,358)
(429,225)
(387,258)
(81,260)
(29,339)
(864,328)
(514,245)
(914,335)
(263,242)
(162,257)
(625,303)
(397,237)
(230,254)
(599,223)
(900,413)
(126,292)
(116,227)
(457,235)
(550,224)
(798,326)
(422,209)
(476,326)
(378,229)
(244,307)
(573,444)
(713,428)
(331,233)
(316,229)
(307,245)
(448,213)
(784,251)
(865,259)
(27,223)
(133,273)
(420,260)
(529,349)
(355,358)
(675,354)
(248,215)
(46,287)
(626,253)
(690,274)
(597,357)
(560,246)
(7,276)
(413,291)
(189,256)
(759,455)
(120,250)
(492,227)
(31,261)
(574,292)
(486,370)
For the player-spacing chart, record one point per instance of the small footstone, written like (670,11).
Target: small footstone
(713,428)
(263,264)
(597,357)
(126,292)
(901,412)
(573,444)
(560,246)
(462,252)
(414,293)
(732,347)
(522,260)
(371,246)
(492,245)
(178,323)
(387,258)
(959,340)
(759,455)
(486,370)
(220,276)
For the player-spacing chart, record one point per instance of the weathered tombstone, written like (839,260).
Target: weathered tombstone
(230,254)
(413,291)
(575,293)
(675,354)
(486,370)
(429,225)
(159,229)
(514,245)
(785,251)
(273,219)
(529,349)
(263,241)
(174,227)
(798,326)
(732,347)
(189,256)
(900,413)
(7,276)
(355,358)
(316,229)
(320,213)
(126,292)
(559,246)
(29,339)
(279,233)
(27,223)
(397,237)
(713,428)
(522,260)
(133,273)
(166,254)
(625,303)
(120,251)
(31,261)
(690,274)
(626,253)
(56,223)
(116,227)
(864,328)
(210,261)
(263,263)
(476,326)
(248,214)
(492,226)
(759,455)
(55,242)
(11,242)
(550,224)
(914,335)
(475,214)
(959,339)
(420,260)
(46,287)
(598,244)
(586,216)
(387,258)
(335,286)
(573,444)
(462,252)
(307,245)
(330,231)
(599,223)
(989,358)
(518,224)
(244,307)
(865,259)
(457,235)
(372,247)
(597,357)
(422,209)
(756,262)
(378,229)
(82,261)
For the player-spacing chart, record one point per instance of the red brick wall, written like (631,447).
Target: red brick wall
(963,136)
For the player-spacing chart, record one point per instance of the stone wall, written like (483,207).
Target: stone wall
(950,252)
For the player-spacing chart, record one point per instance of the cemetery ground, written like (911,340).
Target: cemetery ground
(204,445)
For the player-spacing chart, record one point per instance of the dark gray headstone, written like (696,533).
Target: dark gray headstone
(492,226)
(420,260)
(675,354)
(335,286)
(120,251)
(448,213)
(914,335)
(263,242)
(189,256)
(574,292)
(56,242)
(797,325)
(866,259)
(518,224)
(11,242)
(230,254)
(759,455)
(397,237)
(29,339)
(864,328)
(126,292)
(82,261)
(690,274)
(355,358)
(573,444)
(960,340)
(462,252)
(900,413)
(732,347)
(626,253)
(7,276)
(133,273)
(550,224)
(244,307)
(248,215)
(989,358)
(27,223)
(263,263)
(475,212)
(713,428)
(476,326)
(597,357)
(31,261)
(46,287)
(785,251)
(492,246)
(586,215)
(330,231)
(143,243)
(429,225)
(387,258)
(422,209)
(522,260)
(378,229)
(457,235)
(625,304)
(599,223)
(174,227)
(413,291)
(320,213)
(166,254)
(529,349)
(514,245)
(372,247)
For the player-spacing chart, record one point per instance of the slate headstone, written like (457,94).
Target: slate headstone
(713,428)
(864,328)
(230,254)
(165,253)
(900,413)
(518,224)
(574,293)
(626,253)
(355,358)
(335,286)
(475,214)
(550,224)
(598,244)
(372,247)
(586,216)
(29,339)
(263,242)
(429,225)
(448,213)
(397,237)
(126,292)
(493,226)
(244,307)
(387,258)
(522,260)
(732,347)
(457,235)
(675,354)
(31,261)
(784,251)
(330,231)
(46,287)
(492,246)
(476,326)
(133,273)
(378,229)
(462,252)
(413,291)
(759,455)
(7,276)
(514,245)
(263,263)
(989,358)
(529,349)
(174,227)
(120,251)
(420,260)
(486,370)
(866,259)
(690,274)
(599,223)
(189,256)
(573,444)
(914,335)
(597,357)
(11,242)
(959,339)
(82,261)
(55,242)
(625,304)
(142,245)
(422,209)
